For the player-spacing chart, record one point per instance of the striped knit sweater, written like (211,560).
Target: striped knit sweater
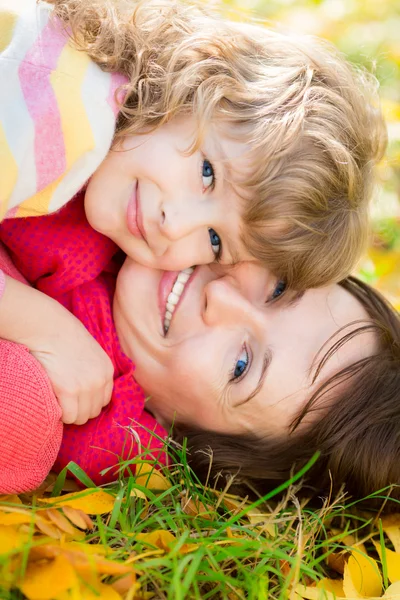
(57,112)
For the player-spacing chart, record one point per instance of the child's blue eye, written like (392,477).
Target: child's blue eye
(241,364)
(207,175)
(215,242)
(279,290)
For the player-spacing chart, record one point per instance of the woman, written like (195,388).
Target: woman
(223,350)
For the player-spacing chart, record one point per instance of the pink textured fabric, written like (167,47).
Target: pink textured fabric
(64,257)
(2,283)
(30,416)
(30,421)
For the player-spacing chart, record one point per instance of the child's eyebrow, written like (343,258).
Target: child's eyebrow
(266,363)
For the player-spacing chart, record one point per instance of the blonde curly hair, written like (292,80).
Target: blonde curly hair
(311,119)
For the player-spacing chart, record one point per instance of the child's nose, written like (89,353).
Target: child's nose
(178,222)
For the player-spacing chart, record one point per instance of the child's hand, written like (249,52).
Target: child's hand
(80,371)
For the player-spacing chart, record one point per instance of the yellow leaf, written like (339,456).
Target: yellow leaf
(309,592)
(92,502)
(160,539)
(11,539)
(392,563)
(100,592)
(83,560)
(391,526)
(10,499)
(45,580)
(150,478)
(62,523)
(361,577)
(78,517)
(335,586)
(138,494)
(47,528)
(393,591)
(14,518)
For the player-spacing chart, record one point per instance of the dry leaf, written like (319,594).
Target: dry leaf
(337,561)
(160,539)
(361,577)
(16,518)
(78,517)
(392,563)
(62,523)
(10,499)
(82,559)
(11,539)
(91,502)
(393,592)
(309,592)
(391,526)
(46,579)
(148,477)
(195,508)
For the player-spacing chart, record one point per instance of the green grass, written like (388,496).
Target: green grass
(235,558)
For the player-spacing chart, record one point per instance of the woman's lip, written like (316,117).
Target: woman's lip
(165,288)
(134,216)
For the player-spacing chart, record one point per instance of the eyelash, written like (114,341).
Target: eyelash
(249,361)
(273,297)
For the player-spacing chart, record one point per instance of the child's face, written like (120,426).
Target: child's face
(237,356)
(167,209)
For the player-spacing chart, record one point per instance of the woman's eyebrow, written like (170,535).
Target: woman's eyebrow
(266,363)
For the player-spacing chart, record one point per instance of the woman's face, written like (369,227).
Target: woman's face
(237,353)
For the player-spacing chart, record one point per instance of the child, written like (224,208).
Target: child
(228,142)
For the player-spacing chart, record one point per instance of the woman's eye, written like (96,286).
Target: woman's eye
(280,289)
(241,364)
(216,244)
(208,175)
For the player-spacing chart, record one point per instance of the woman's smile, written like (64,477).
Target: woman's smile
(172,288)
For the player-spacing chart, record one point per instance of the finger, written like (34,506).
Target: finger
(108,390)
(84,408)
(69,407)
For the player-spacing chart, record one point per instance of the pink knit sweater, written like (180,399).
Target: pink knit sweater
(61,255)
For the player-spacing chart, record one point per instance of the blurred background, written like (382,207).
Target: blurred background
(368,33)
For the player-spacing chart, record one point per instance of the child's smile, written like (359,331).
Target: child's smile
(167,208)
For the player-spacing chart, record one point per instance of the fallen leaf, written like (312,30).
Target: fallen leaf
(160,539)
(337,561)
(11,539)
(91,502)
(84,561)
(195,508)
(392,563)
(78,517)
(148,477)
(391,526)
(46,579)
(63,523)
(393,591)
(361,577)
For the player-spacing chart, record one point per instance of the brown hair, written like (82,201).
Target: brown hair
(356,426)
(312,120)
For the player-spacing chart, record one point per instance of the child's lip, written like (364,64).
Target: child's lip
(134,216)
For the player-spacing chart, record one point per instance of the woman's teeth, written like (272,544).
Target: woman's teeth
(174,296)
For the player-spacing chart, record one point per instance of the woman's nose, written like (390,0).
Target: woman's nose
(226,304)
